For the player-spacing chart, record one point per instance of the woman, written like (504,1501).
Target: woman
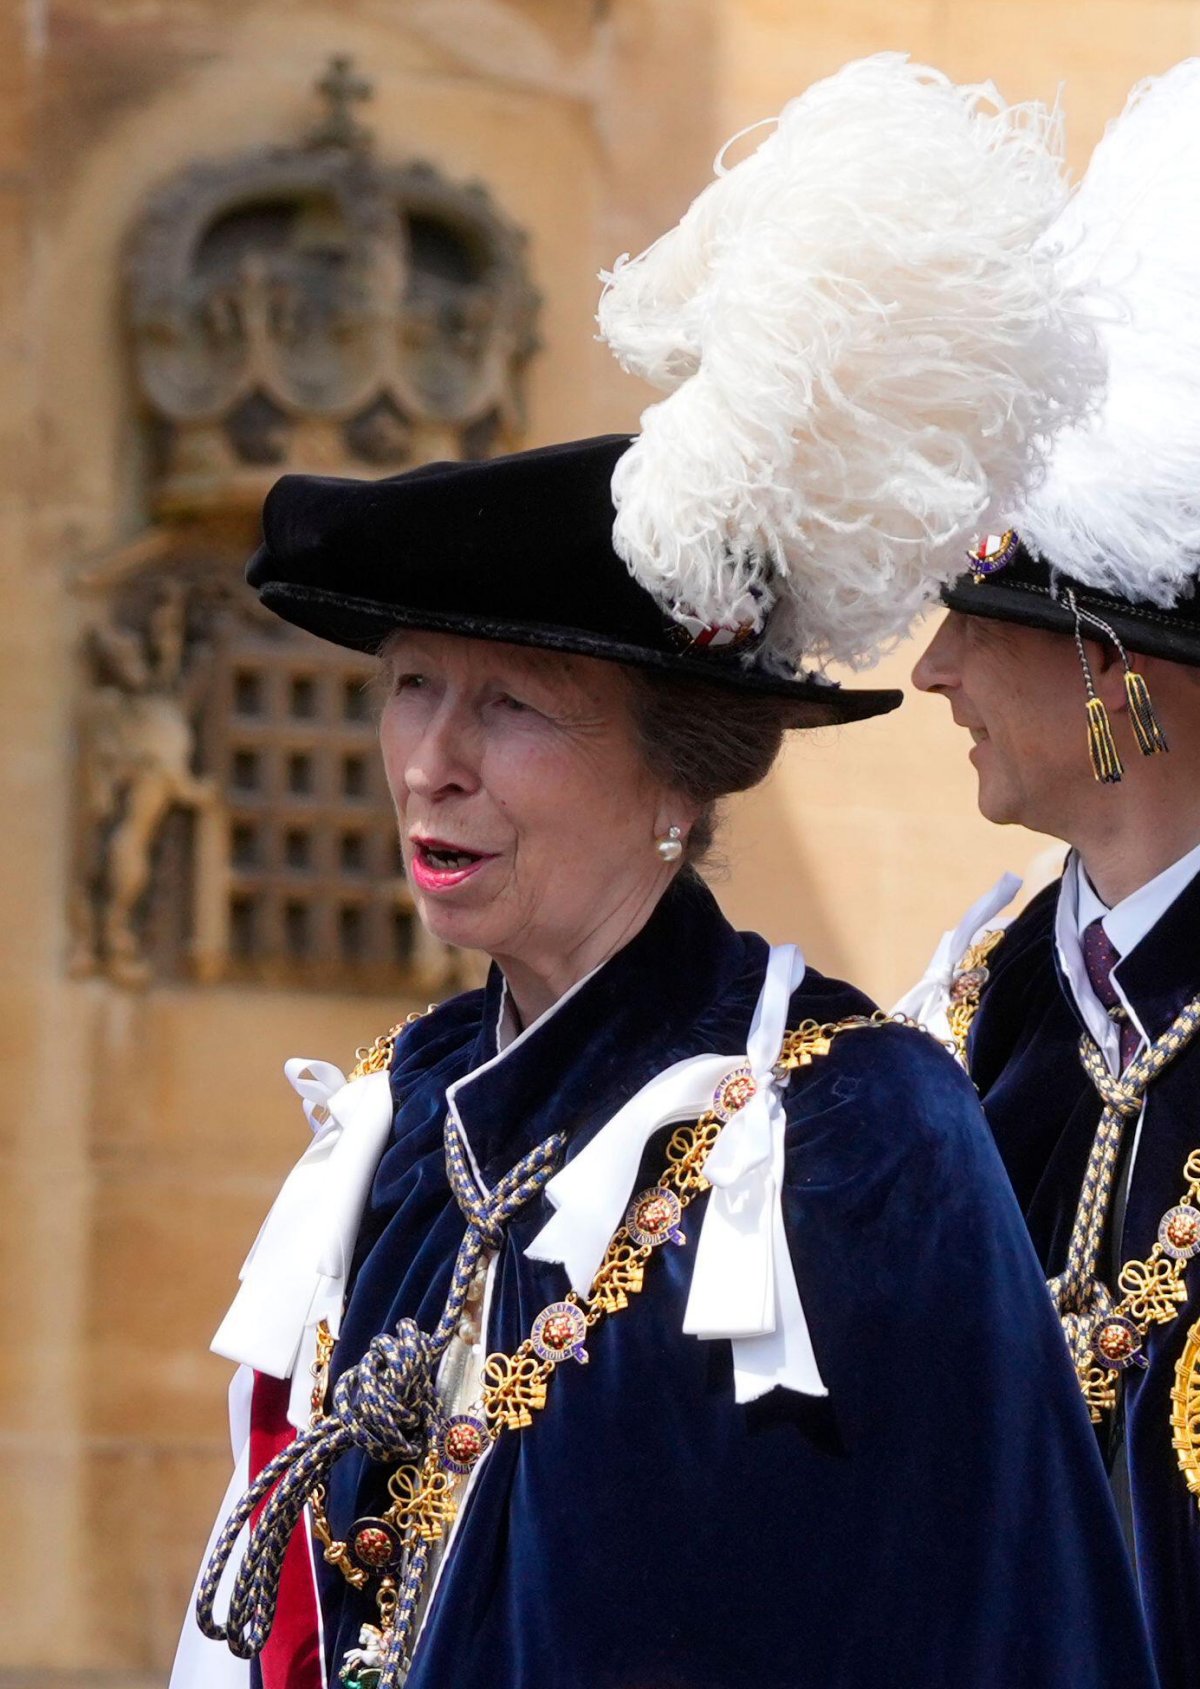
(663,1519)
(686,1331)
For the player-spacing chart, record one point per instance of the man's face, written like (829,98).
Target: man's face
(1019,693)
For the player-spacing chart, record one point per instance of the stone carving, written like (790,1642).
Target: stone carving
(234,822)
(306,307)
(137,748)
(342,89)
(310,307)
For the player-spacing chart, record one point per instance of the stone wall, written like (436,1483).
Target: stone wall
(144,1132)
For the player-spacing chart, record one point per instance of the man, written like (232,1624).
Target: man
(1080,1022)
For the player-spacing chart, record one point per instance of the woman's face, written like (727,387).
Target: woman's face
(528,819)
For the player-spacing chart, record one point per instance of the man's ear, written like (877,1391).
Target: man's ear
(1108,675)
(1174,691)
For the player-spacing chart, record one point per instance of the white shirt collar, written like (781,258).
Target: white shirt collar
(508,1026)
(1126,924)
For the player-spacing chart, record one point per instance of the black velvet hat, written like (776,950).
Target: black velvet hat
(1029,590)
(514,548)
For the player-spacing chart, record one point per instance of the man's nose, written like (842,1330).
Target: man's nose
(936,670)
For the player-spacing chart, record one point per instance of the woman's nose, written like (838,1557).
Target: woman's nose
(442,759)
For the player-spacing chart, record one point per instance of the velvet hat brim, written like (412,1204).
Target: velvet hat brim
(516,549)
(1028,592)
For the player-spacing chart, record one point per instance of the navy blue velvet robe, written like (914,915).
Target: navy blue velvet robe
(941,1521)
(1044,1112)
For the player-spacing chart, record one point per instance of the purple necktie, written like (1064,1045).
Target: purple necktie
(1100,957)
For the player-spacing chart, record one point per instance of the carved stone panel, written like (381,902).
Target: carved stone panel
(310,307)
(306,307)
(234,820)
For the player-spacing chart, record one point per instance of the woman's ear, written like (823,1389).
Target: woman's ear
(675,809)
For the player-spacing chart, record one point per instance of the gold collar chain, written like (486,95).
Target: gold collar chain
(971,974)
(425,1499)
(1153,1290)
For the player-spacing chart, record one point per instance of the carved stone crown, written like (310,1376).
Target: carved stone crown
(311,308)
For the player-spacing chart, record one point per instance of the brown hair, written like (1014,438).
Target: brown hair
(708,741)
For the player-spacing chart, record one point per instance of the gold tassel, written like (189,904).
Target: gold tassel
(1147,730)
(1102,747)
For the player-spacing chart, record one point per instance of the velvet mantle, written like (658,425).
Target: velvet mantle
(1044,1112)
(940,1521)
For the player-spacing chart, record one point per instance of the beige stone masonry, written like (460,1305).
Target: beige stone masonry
(143,1134)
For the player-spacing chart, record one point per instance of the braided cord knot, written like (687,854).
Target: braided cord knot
(386,1405)
(1122,1095)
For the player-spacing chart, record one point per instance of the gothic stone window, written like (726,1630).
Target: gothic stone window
(234,819)
(315,879)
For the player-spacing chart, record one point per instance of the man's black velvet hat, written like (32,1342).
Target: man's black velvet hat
(1028,590)
(514,548)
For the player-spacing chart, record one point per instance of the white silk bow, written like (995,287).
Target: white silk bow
(743,1283)
(929,1000)
(295,1273)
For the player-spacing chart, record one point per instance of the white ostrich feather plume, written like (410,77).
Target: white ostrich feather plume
(867,347)
(1120,505)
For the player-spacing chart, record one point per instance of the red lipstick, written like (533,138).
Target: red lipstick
(438,865)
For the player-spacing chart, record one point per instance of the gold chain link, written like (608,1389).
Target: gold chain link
(377,1057)
(1153,1290)
(516,1387)
(966,988)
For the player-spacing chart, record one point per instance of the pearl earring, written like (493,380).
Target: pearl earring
(670,848)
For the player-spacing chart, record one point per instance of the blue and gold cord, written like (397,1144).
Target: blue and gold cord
(1079,1294)
(387,1406)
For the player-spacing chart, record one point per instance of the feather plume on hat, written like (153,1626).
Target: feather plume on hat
(867,345)
(1119,508)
